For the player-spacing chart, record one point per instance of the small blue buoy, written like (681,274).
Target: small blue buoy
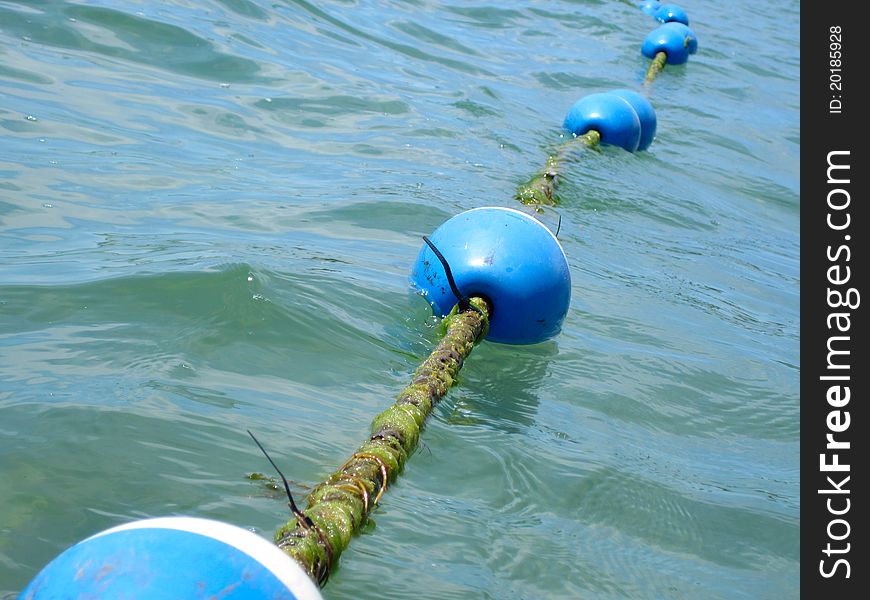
(173,557)
(671,13)
(645,113)
(649,6)
(506,256)
(611,116)
(676,40)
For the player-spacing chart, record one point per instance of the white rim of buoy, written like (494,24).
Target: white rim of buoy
(284,568)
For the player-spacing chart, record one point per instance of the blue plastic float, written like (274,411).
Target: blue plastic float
(676,40)
(507,257)
(610,115)
(171,558)
(623,118)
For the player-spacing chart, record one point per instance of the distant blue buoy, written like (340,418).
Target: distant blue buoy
(170,558)
(507,257)
(649,6)
(611,116)
(645,114)
(676,40)
(671,13)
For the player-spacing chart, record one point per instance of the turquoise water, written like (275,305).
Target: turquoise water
(208,211)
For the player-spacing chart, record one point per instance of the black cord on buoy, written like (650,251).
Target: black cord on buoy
(462,300)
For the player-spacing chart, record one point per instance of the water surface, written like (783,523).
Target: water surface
(208,211)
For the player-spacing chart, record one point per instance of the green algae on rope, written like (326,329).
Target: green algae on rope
(541,189)
(339,507)
(656,67)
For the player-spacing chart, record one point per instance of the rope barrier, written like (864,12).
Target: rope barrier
(511,279)
(339,507)
(598,120)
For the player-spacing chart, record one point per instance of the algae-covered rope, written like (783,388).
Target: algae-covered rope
(541,189)
(338,507)
(656,66)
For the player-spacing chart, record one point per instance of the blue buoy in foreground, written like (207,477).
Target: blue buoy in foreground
(645,114)
(676,40)
(610,115)
(170,558)
(506,256)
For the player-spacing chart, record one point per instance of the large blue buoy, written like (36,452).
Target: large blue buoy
(506,256)
(645,113)
(171,558)
(676,40)
(611,116)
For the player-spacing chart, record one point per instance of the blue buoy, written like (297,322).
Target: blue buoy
(507,257)
(170,558)
(645,114)
(676,40)
(671,13)
(649,6)
(611,116)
